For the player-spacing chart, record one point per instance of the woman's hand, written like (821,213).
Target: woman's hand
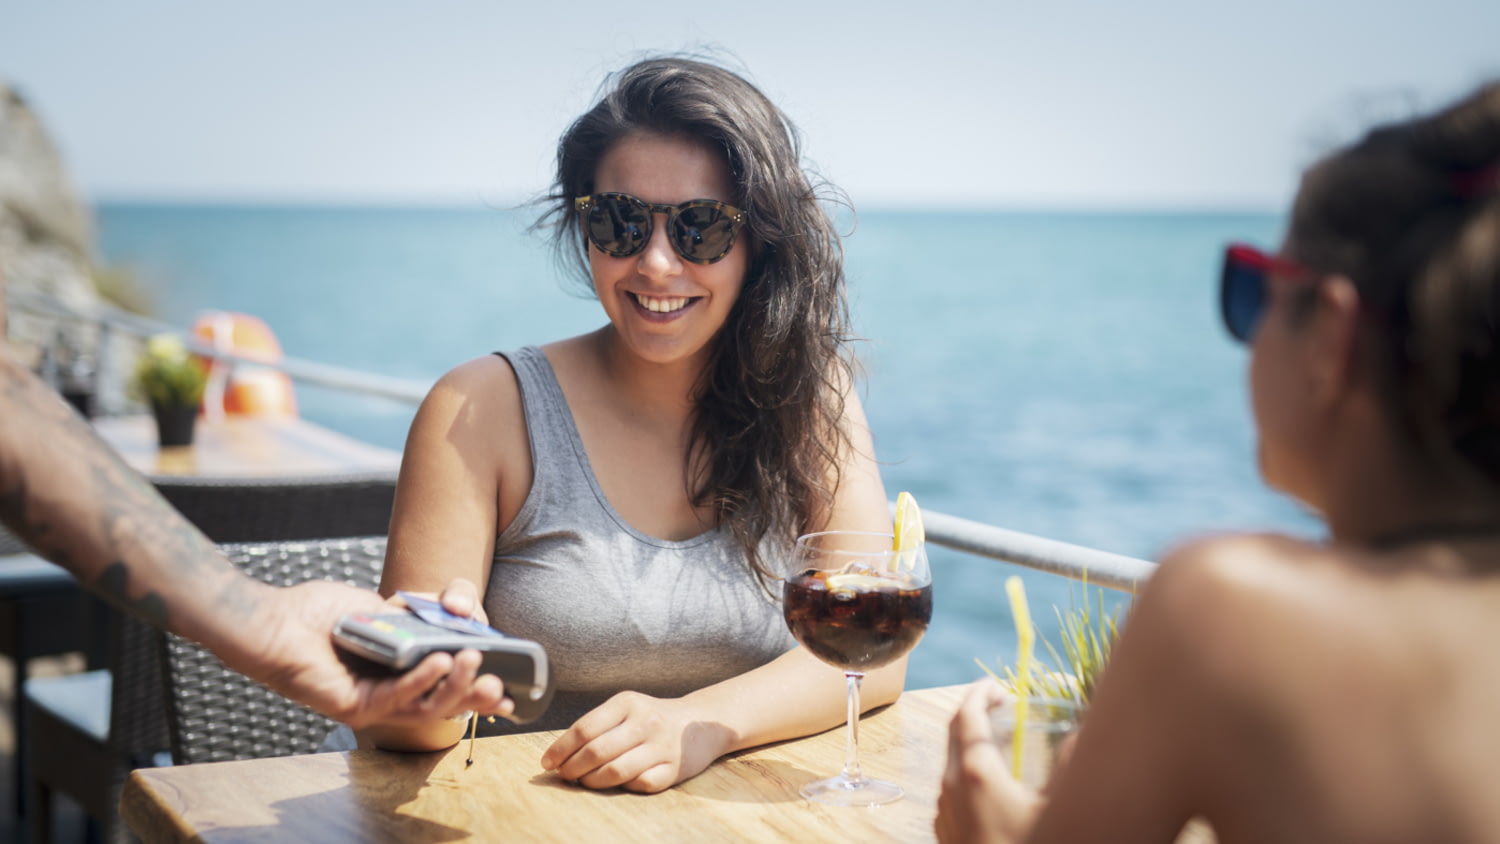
(459,597)
(980,800)
(637,742)
(449,687)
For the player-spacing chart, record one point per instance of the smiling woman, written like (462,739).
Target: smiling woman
(625,493)
(663,306)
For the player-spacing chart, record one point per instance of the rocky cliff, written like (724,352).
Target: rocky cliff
(46,247)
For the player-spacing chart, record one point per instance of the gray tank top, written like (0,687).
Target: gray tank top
(616,609)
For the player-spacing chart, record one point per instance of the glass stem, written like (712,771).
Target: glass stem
(851,755)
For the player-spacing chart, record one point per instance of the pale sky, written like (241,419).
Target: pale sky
(1086,104)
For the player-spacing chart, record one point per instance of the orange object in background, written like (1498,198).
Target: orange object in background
(244,388)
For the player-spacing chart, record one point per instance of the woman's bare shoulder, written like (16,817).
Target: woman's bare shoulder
(478,378)
(471,406)
(1250,567)
(1225,568)
(468,447)
(1239,606)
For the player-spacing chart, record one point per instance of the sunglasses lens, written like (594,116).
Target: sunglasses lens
(618,226)
(702,230)
(703,233)
(1242,297)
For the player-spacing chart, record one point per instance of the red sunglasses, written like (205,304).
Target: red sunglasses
(1242,286)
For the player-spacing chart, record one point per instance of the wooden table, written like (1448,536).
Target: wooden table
(244,446)
(375,796)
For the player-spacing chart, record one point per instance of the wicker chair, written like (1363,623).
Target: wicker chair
(232,509)
(42,613)
(215,714)
(112,731)
(85,732)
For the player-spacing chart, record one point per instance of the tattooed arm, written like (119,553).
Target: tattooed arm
(66,493)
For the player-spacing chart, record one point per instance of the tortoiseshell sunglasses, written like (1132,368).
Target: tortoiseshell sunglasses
(701,230)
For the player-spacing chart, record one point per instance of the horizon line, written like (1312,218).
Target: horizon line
(930,206)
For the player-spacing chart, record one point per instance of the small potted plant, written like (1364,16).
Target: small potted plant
(172,379)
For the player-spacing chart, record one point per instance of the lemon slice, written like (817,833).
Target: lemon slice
(908,532)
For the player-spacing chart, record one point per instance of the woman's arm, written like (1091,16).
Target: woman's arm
(446,516)
(859,501)
(649,744)
(1159,732)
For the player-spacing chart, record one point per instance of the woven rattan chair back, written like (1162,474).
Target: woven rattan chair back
(215,714)
(43,612)
(235,509)
(69,752)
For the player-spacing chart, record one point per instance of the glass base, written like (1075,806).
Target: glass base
(842,791)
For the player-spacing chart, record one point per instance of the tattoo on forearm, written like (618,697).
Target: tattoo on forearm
(113,585)
(66,493)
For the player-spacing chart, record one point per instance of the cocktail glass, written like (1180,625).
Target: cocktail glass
(1031,732)
(857,604)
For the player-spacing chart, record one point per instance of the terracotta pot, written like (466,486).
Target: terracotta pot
(174,424)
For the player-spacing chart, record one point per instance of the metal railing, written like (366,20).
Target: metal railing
(111,319)
(1078,562)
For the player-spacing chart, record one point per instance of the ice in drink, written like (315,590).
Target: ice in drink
(856,621)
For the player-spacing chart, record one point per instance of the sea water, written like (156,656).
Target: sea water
(1061,374)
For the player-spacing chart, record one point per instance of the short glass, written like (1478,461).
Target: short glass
(1045,725)
(856,604)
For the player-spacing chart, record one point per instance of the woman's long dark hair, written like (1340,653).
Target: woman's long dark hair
(1411,214)
(767,436)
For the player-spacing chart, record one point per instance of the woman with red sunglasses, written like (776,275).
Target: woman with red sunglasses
(624,496)
(1344,690)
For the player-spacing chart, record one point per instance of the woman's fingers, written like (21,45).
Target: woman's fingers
(572,755)
(461,597)
(631,740)
(971,723)
(613,761)
(620,757)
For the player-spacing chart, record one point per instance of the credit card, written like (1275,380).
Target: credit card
(433,612)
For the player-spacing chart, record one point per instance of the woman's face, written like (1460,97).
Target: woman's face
(665,309)
(1281,393)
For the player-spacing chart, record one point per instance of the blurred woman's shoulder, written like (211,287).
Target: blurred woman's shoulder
(1243,568)
(1303,652)
(1247,610)
(1259,614)
(1290,577)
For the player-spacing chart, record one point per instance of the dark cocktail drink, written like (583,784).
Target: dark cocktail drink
(856,621)
(859,600)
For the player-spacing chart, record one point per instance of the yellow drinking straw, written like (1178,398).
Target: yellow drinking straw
(1026,636)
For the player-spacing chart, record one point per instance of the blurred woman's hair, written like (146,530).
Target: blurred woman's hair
(767,438)
(1411,214)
